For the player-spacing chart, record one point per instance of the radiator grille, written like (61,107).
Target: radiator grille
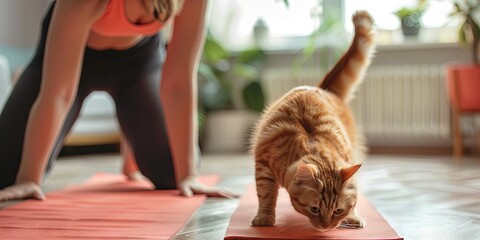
(401,105)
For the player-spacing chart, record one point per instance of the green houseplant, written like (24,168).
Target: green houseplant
(325,44)
(410,18)
(328,41)
(218,71)
(228,88)
(469,30)
(463,80)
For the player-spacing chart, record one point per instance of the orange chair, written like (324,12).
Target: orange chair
(463,84)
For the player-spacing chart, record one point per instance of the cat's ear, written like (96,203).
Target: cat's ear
(348,172)
(305,172)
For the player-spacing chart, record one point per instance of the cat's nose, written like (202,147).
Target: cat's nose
(320,228)
(323,226)
(317,225)
(326,226)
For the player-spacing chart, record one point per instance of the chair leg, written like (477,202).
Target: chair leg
(457,133)
(477,137)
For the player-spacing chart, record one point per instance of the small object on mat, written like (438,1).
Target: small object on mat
(105,207)
(293,225)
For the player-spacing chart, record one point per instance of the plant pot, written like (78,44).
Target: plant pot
(411,25)
(228,130)
(463,84)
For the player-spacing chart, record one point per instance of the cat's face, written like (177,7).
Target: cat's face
(325,197)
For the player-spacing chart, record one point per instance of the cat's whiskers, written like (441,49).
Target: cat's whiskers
(347,226)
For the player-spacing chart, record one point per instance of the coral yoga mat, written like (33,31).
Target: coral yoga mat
(293,225)
(105,207)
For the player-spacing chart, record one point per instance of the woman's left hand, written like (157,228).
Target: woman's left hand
(191,185)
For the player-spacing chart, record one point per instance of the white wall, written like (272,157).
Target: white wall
(20,21)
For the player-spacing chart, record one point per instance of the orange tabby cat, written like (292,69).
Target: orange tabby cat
(307,142)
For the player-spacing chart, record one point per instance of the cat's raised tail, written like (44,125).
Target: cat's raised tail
(350,69)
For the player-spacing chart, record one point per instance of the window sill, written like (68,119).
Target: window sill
(294,45)
(414,45)
(386,41)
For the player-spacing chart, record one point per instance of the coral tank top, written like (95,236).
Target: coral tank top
(114,22)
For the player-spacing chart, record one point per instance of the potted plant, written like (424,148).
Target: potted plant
(410,18)
(463,80)
(230,95)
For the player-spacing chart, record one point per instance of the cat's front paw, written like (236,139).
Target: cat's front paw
(353,222)
(362,19)
(263,220)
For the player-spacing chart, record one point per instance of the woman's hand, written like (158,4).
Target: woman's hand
(21,191)
(191,185)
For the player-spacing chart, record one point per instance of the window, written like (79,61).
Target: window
(437,25)
(233,21)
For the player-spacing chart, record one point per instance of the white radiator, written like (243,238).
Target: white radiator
(395,105)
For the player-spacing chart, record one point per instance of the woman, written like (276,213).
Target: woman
(110,45)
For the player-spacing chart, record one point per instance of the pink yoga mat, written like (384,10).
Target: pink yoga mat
(105,207)
(293,225)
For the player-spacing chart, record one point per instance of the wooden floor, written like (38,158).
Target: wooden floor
(421,197)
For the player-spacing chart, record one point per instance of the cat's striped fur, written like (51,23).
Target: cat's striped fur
(305,142)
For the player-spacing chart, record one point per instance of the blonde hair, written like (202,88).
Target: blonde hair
(164,9)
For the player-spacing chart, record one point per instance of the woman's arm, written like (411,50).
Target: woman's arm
(66,41)
(179,96)
(179,85)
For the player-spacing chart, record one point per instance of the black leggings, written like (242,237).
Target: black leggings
(131,77)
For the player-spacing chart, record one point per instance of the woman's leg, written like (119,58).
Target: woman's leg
(141,118)
(67,126)
(130,167)
(13,121)
(14,117)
